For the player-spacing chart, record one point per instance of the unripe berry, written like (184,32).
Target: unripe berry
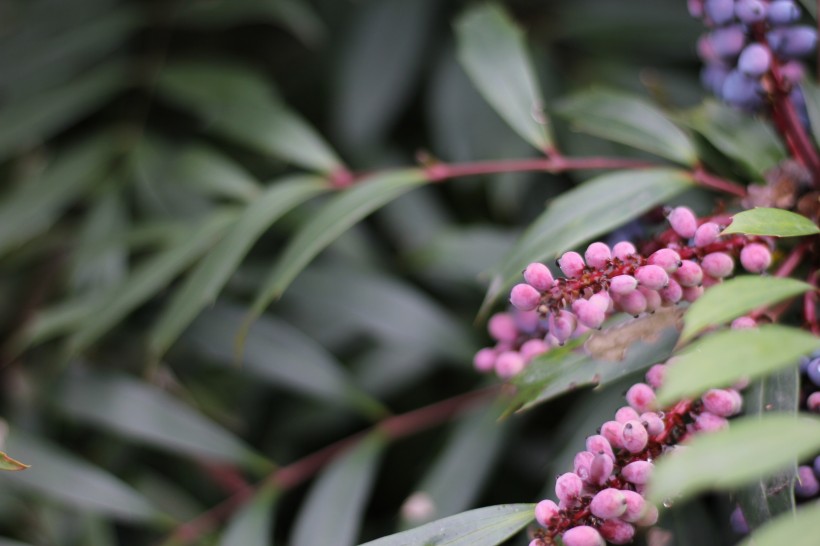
(539,276)
(589,314)
(722,402)
(652,277)
(813,402)
(655,375)
(706,234)
(527,321)
(581,464)
(638,472)
(583,535)
(524,297)
(635,436)
(744,323)
(601,469)
(635,506)
(806,485)
(532,348)
(689,274)
(625,414)
(568,488)
(718,265)
(738,521)
(616,531)
(598,444)
(652,297)
(613,432)
(653,423)
(597,255)
(665,258)
(755,60)
(692,293)
(561,325)
(650,516)
(571,264)
(608,503)
(623,250)
(641,397)
(545,511)
(509,363)
(755,258)
(502,327)
(602,300)
(484,359)
(709,422)
(682,219)
(672,293)
(633,303)
(623,284)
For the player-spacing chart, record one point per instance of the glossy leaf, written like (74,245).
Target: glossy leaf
(488,526)
(723,358)
(252,525)
(76,483)
(736,297)
(143,413)
(493,52)
(751,447)
(630,120)
(591,209)
(800,529)
(206,281)
(340,495)
(327,224)
(776,222)
(145,281)
(9,464)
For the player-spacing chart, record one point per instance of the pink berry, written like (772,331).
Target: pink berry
(509,363)
(813,402)
(691,293)
(613,432)
(589,314)
(635,436)
(562,324)
(638,472)
(706,234)
(655,375)
(672,293)
(709,422)
(717,265)
(653,423)
(650,516)
(601,300)
(524,297)
(568,488)
(652,277)
(608,503)
(600,469)
(652,297)
(527,321)
(538,276)
(635,506)
(616,531)
(744,323)
(502,327)
(597,255)
(484,359)
(755,258)
(722,402)
(623,250)
(545,511)
(583,535)
(581,464)
(623,285)
(598,444)
(665,258)
(689,274)
(625,414)
(633,303)
(532,348)
(641,397)
(571,264)
(683,221)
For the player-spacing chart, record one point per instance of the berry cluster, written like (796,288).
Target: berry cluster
(747,39)
(679,264)
(602,499)
(807,486)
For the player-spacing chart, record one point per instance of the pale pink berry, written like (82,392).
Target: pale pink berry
(598,444)
(509,363)
(652,297)
(613,432)
(545,511)
(635,436)
(484,359)
(641,397)
(626,413)
(539,276)
(683,221)
(650,516)
(616,531)
(635,506)
(527,321)
(706,234)
(571,264)
(638,472)
(581,464)
(755,258)
(568,488)
(597,255)
(655,375)
(536,542)
(583,535)
(600,469)
(633,303)
(524,297)
(601,300)
(562,324)
(689,274)
(744,323)
(673,292)
(589,314)
(665,258)
(717,265)
(502,327)
(691,293)
(722,402)
(709,422)
(623,250)
(652,277)
(653,423)
(623,284)
(813,402)
(532,348)
(608,503)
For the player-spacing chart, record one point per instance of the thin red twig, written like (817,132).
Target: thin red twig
(709,180)
(556,164)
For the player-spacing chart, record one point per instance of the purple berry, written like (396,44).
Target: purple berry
(720,11)
(635,437)
(707,233)
(545,511)
(597,255)
(655,375)
(783,12)
(524,297)
(717,265)
(484,359)
(539,276)
(623,250)
(509,363)
(616,531)
(568,488)
(695,8)
(742,91)
(712,77)
(793,42)
(665,258)
(638,472)
(813,371)
(683,221)
(755,258)
(806,485)
(738,521)
(728,42)
(571,264)
(608,503)
(755,60)
(816,466)
(793,72)
(562,325)
(652,277)
(750,11)
(641,397)
(583,535)
(502,327)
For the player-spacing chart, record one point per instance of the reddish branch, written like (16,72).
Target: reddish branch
(556,164)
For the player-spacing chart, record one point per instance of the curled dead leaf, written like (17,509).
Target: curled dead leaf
(611,344)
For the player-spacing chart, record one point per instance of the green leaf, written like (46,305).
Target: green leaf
(340,496)
(630,120)
(206,281)
(593,208)
(252,525)
(736,297)
(776,222)
(723,358)
(774,494)
(239,104)
(63,477)
(800,529)
(488,526)
(9,542)
(326,225)
(7,463)
(143,413)
(208,171)
(149,278)
(494,54)
(751,447)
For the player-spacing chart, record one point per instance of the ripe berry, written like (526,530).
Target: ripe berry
(793,42)
(750,11)
(583,535)
(806,485)
(720,11)
(539,276)
(755,258)
(755,60)
(813,371)
(783,12)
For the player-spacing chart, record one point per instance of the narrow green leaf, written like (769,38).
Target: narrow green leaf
(494,54)
(150,277)
(9,542)
(751,447)
(811,92)
(209,277)
(100,258)
(63,477)
(141,412)
(488,526)
(630,120)
(208,171)
(736,297)
(239,104)
(340,496)
(774,494)
(800,529)
(723,358)
(324,227)
(593,208)
(776,222)
(253,524)
(7,463)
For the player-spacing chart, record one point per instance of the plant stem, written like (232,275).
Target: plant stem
(709,180)
(556,164)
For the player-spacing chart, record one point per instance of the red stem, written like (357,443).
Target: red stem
(810,304)
(555,164)
(708,180)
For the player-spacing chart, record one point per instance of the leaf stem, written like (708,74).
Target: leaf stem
(556,164)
